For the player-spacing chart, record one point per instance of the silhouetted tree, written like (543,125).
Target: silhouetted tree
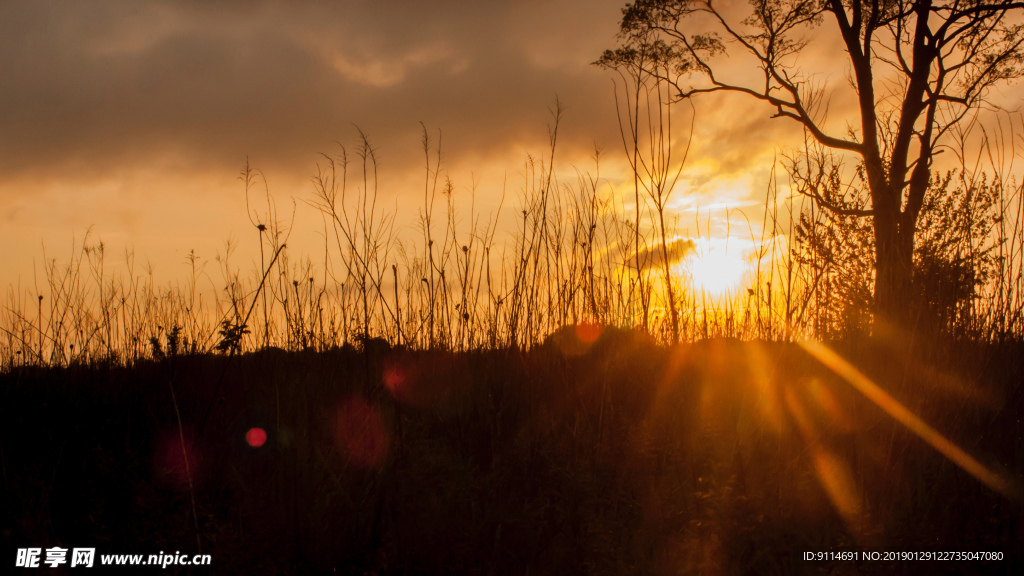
(651,144)
(917,68)
(955,256)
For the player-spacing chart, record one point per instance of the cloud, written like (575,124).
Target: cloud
(100,85)
(652,257)
(126,114)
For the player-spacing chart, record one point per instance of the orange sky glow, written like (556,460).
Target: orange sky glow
(132,120)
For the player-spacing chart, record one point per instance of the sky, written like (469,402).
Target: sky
(132,120)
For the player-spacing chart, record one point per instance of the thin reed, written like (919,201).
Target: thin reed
(565,251)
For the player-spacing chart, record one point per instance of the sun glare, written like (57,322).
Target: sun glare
(716,269)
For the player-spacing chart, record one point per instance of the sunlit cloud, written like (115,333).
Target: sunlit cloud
(361,67)
(653,257)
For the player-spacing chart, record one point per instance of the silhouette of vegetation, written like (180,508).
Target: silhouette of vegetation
(546,388)
(917,69)
(649,139)
(621,457)
(955,258)
(571,257)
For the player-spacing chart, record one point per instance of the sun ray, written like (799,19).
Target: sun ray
(901,414)
(833,474)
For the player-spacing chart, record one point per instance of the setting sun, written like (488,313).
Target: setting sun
(715,268)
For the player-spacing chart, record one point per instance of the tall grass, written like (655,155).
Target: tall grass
(575,253)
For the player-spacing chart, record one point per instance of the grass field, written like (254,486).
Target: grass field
(617,457)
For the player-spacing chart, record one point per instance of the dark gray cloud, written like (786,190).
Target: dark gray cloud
(94,85)
(136,116)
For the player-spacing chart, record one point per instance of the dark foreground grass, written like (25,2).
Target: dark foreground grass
(718,457)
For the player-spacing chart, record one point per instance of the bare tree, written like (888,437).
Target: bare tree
(917,69)
(649,140)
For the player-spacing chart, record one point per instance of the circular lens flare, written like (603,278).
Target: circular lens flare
(256,437)
(588,332)
(177,459)
(360,433)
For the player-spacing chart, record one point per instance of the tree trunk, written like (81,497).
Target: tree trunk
(894,260)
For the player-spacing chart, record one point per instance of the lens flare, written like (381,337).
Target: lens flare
(904,416)
(256,437)
(360,433)
(588,332)
(834,475)
(177,460)
(396,379)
